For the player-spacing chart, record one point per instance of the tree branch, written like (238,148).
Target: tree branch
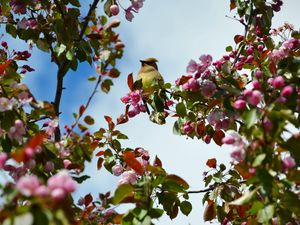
(62,70)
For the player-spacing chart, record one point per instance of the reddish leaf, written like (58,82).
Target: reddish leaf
(130,82)
(94,145)
(122,119)
(174,212)
(178,180)
(100,153)
(133,163)
(19,156)
(118,218)
(243,171)
(81,110)
(210,211)
(238,38)
(157,162)
(36,140)
(88,199)
(212,163)
(232,5)
(4,66)
(108,119)
(99,163)
(94,36)
(113,73)
(218,136)
(201,129)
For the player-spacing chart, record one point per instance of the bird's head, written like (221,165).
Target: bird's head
(150,62)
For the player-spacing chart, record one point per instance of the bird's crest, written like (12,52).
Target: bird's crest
(150,61)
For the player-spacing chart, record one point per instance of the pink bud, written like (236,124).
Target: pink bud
(286,91)
(256,84)
(239,104)
(278,82)
(288,162)
(114,9)
(260,48)
(117,170)
(250,50)
(259,74)
(207,139)
(4,44)
(125,99)
(255,98)
(66,163)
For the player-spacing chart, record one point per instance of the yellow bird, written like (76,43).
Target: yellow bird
(151,78)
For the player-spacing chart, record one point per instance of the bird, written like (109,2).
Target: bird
(151,78)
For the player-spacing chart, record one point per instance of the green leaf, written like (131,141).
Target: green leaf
(245,198)
(107,5)
(250,117)
(12,30)
(70,54)
(259,159)
(181,110)
(122,192)
(186,207)
(60,49)
(75,3)
(156,213)
(265,214)
(229,48)
(89,120)
(42,45)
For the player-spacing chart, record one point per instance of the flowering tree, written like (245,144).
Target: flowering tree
(249,99)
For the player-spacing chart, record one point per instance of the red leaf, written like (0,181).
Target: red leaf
(81,110)
(218,136)
(210,211)
(99,163)
(238,38)
(157,162)
(130,81)
(88,199)
(211,163)
(36,140)
(201,129)
(232,5)
(4,66)
(133,163)
(108,119)
(122,119)
(100,153)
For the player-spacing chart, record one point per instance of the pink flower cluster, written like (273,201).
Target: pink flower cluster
(17,131)
(6,104)
(134,8)
(129,176)
(237,141)
(218,120)
(200,81)
(134,99)
(57,186)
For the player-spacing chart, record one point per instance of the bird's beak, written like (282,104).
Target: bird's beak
(142,61)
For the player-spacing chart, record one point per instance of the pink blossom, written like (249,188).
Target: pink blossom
(277,54)
(6,104)
(208,88)
(42,191)
(286,91)
(16,132)
(255,98)
(278,82)
(58,194)
(214,117)
(135,97)
(137,4)
(27,185)
(24,98)
(267,124)
(62,180)
(239,104)
(128,177)
(18,6)
(228,140)
(288,162)
(117,170)
(291,43)
(66,163)
(32,24)
(192,67)
(3,158)
(237,154)
(206,60)
(192,85)
(52,126)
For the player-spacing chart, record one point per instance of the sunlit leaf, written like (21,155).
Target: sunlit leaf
(122,192)
(133,163)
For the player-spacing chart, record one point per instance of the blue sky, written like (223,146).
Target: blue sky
(174,33)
